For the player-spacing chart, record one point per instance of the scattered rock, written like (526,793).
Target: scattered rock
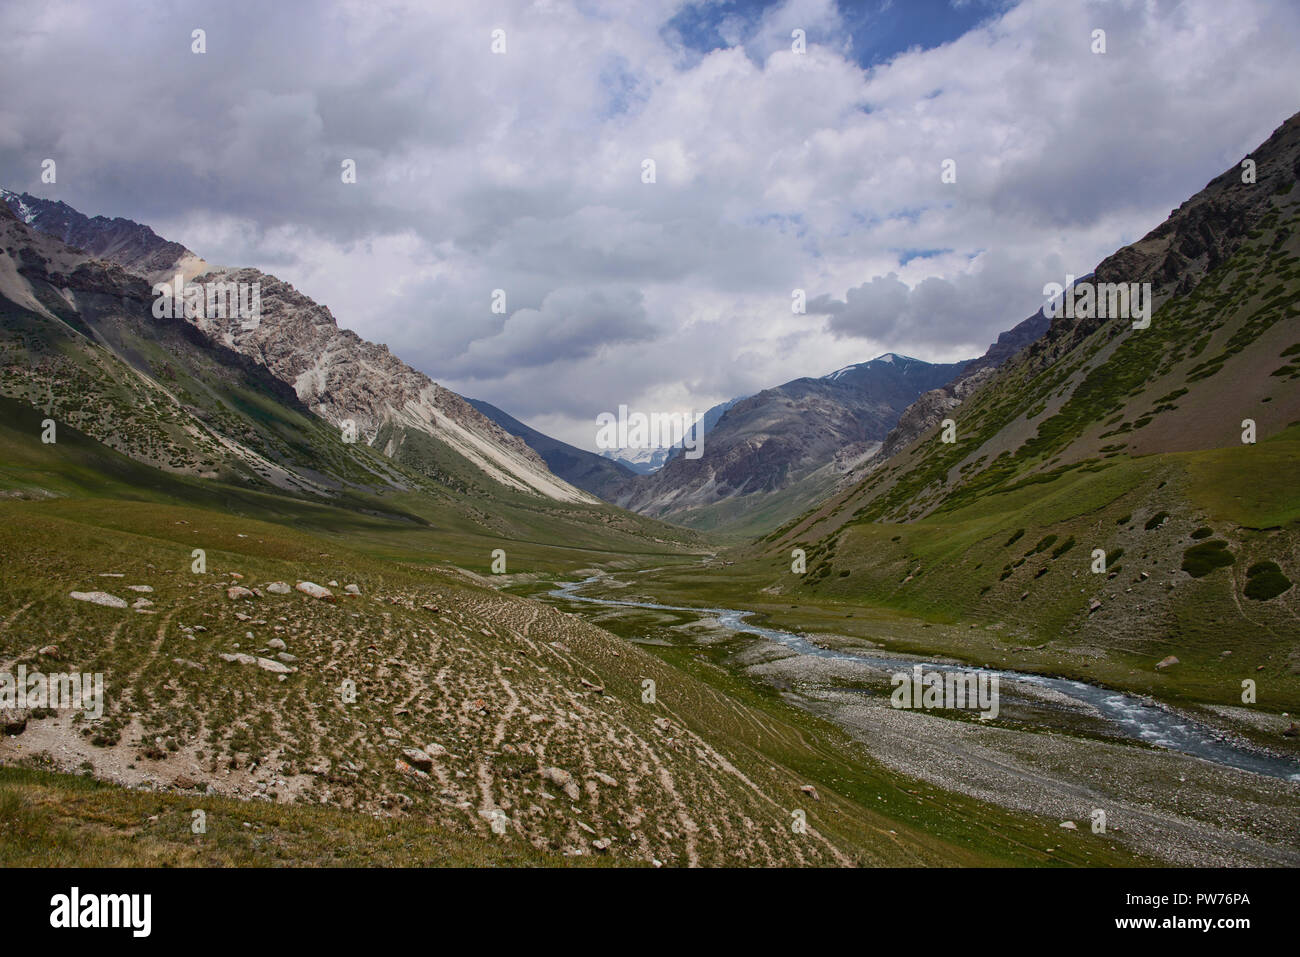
(49,651)
(418,759)
(811,791)
(141,588)
(275,667)
(564,780)
(352,589)
(278,588)
(1069,825)
(276,644)
(1164,663)
(315,591)
(266,664)
(236,592)
(287,658)
(141,603)
(14,720)
(98,598)
(1094,605)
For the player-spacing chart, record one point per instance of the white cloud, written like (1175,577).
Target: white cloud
(522,172)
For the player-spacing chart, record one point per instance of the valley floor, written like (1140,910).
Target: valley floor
(1048,755)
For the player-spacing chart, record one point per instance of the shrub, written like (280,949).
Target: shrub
(1156,520)
(1200,560)
(1265,580)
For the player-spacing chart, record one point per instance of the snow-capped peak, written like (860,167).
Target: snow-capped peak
(23,211)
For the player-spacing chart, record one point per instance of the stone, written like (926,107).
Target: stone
(315,591)
(1164,663)
(418,759)
(276,644)
(278,588)
(236,592)
(564,780)
(14,720)
(98,598)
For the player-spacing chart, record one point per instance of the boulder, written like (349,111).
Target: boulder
(278,588)
(98,598)
(275,667)
(418,759)
(564,780)
(315,591)
(14,720)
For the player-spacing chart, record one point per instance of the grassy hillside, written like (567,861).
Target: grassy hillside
(523,710)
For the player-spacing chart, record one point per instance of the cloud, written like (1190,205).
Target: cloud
(522,171)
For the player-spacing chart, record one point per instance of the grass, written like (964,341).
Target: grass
(66,820)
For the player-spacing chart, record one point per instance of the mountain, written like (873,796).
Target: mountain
(339,377)
(771,454)
(1108,486)
(638,461)
(928,410)
(585,470)
(134,247)
(705,425)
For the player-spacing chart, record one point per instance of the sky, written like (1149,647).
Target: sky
(778,166)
